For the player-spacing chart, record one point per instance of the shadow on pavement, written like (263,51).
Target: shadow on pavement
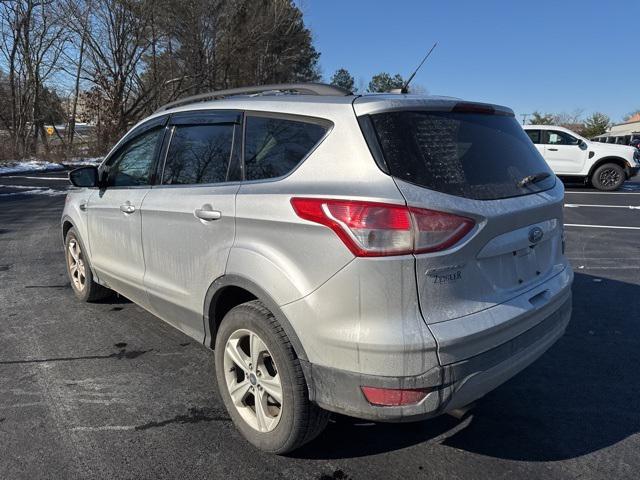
(632,185)
(580,397)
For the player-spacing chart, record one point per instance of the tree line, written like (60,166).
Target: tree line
(116,61)
(595,124)
(121,59)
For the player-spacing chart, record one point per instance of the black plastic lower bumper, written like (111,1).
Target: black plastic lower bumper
(454,385)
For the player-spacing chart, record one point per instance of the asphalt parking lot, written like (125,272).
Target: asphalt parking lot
(106,390)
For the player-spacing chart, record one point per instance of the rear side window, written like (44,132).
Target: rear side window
(198,154)
(471,155)
(275,146)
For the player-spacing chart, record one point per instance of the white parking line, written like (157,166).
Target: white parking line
(576,205)
(636,192)
(36,178)
(600,226)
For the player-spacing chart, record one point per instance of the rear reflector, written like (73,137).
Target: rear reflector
(371,229)
(390,397)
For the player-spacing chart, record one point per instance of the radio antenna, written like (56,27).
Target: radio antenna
(405,87)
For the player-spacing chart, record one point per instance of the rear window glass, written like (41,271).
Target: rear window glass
(275,146)
(471,155)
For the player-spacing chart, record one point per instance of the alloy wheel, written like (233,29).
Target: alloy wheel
(609,177)
(77,267)
(253,381)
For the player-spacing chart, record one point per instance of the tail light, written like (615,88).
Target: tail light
(392,397)
(371,229)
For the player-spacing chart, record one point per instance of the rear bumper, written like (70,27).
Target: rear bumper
(454,385)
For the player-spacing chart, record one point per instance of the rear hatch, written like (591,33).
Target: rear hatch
(476,162)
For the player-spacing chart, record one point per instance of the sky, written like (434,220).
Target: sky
(544,55)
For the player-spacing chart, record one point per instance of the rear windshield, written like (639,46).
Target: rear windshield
(473,155)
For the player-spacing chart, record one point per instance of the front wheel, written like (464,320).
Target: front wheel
(608,177)
(261,381)
(79,271)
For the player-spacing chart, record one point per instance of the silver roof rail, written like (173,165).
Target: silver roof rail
(300,88)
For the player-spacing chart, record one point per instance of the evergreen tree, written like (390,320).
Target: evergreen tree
(383,82)
(343,79)
(597,124)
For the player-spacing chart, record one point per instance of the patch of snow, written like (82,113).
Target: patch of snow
(29,166)
(80,161)
(26,166)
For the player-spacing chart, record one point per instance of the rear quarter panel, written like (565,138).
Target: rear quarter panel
(290,257)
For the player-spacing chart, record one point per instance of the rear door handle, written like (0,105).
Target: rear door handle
(127,208)
(207,214)
(83,207)
(553,149)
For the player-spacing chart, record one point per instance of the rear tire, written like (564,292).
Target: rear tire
(79,270)
(294,420)
(608,177)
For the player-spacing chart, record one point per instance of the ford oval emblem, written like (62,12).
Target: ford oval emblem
(535,234)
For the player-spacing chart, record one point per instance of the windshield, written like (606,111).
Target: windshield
(473,155)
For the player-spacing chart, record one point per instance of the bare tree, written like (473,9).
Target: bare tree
(115,44)
(123,58)
(33,40)
(570,118)
(76,15)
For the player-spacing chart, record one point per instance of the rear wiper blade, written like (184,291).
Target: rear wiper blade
(536,177)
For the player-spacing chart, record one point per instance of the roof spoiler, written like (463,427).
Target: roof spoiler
(483,108)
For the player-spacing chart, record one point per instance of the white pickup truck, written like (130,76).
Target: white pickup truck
(604,165)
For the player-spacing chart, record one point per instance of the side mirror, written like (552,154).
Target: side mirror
(86,177)
(582,144)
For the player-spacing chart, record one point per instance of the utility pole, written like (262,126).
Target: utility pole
(524,117)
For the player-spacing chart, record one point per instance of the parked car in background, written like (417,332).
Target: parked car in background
(635,143)
(384,256)
(606,166)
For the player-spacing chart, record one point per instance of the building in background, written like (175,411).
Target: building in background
(622,133)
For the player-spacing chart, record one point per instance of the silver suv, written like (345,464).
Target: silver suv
(389,257)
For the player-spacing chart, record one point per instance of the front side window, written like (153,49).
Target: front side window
(275,146)
(556,137)
(198,154)
(534,135)
(132,165)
